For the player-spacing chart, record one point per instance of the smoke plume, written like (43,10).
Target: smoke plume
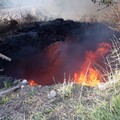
(67,9)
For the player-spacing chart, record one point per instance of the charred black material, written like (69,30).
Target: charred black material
(30,38)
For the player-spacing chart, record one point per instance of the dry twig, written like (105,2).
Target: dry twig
(24,82)
(5,57)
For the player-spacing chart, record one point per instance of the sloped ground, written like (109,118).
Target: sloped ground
(71,102)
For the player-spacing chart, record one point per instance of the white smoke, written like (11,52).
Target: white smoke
(76,8)
(67,9)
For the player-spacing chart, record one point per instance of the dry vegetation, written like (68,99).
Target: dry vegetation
(112,16)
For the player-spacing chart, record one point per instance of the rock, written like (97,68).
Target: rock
(24,82)
(52,94)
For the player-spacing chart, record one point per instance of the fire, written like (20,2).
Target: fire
(32,83)
(88,75)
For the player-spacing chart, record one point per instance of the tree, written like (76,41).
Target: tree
(106,2)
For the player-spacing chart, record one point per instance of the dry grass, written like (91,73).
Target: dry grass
(106,100)
(112,17)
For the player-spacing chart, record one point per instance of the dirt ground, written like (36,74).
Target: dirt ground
(40,103)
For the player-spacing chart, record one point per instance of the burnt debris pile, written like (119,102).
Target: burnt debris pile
(30,39)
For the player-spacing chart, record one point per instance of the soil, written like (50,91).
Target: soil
(33,103)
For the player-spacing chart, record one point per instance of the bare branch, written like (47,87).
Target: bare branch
(5,57)
(23,83)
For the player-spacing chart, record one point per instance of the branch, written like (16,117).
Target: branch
(5,57)
(23,83)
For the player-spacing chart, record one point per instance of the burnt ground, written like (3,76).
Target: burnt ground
(25,42)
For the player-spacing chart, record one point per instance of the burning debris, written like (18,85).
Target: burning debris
(43,50)
(89,75)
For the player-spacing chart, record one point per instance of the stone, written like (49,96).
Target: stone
(52,94)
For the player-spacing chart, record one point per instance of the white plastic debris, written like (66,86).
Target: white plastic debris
(24,82)
(22,86)
(52,94)
(101,86)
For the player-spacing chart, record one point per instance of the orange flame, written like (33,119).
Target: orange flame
(32,83)
(89,76)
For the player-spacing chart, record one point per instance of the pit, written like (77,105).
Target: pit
(51,52)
